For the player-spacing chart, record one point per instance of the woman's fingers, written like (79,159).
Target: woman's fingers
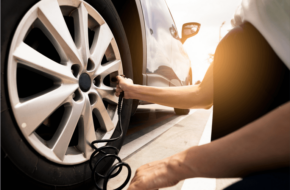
(118,90)
(123,85)
(153,176)
(119,78)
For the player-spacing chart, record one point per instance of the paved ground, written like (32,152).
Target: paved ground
(156,132)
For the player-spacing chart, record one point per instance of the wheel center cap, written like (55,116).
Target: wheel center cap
(85,82)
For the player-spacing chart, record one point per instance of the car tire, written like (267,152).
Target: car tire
(25,167)
(135,105)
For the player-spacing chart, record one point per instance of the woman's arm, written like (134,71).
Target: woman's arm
(261,145)
(196,96)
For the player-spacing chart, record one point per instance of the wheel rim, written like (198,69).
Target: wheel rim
(60,120)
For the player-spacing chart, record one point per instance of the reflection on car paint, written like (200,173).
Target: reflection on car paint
(165,54)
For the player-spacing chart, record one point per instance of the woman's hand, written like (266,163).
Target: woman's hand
(162,173)
(124,84)
(153,176)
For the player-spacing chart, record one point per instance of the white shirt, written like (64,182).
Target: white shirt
(272,19)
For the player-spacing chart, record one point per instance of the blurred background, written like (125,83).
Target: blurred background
(214,17)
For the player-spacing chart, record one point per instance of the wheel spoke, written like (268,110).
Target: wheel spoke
(101,43)
(108,68)
(87,131)
(64,133)
(32,58)
(100,111)
(50,15)
(107,93)
(81,32)
(31,113)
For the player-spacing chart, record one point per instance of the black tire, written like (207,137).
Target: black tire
(135,105)
(181,111)
(23,166)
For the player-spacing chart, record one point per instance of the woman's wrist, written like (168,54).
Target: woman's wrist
(180,167)
(131,91)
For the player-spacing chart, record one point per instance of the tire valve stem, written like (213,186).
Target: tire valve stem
(105,153)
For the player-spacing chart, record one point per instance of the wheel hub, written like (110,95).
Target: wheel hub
(85,82)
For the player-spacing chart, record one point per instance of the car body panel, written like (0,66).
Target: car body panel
(159,39)
(181,62)
(166,58)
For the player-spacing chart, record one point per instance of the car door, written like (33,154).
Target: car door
(158,22)
(180,61)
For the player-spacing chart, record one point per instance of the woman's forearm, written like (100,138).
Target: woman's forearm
(261,145)
(184,97)
(178,97)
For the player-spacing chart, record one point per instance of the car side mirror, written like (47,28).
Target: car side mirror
(189,29)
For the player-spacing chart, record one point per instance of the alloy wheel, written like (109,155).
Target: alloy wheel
(61,62)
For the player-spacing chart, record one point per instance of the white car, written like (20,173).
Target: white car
(58,58)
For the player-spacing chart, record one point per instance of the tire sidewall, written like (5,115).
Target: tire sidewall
(13,143)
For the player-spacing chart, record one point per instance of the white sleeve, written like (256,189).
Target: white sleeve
(238,17)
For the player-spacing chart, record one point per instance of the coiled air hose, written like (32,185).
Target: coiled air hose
(111,173)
